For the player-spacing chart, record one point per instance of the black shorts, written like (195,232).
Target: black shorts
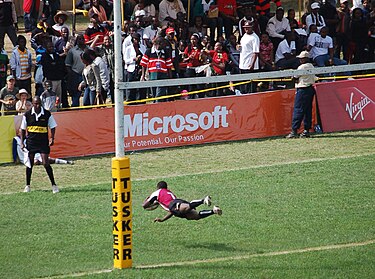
(174,211)
(37,147)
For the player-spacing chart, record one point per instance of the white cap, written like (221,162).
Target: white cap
(343,1)
(304,54)
(315,5)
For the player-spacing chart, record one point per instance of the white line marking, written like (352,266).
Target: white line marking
(269,254)
(311,160)
(224,259)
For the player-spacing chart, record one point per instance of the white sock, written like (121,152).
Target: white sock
(60,161)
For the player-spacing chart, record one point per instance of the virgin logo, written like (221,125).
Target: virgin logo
(355,109)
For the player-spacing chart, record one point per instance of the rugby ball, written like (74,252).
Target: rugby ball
(152,206)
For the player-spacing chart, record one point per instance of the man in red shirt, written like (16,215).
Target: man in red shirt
(228,12)
(159,64)
(178,207)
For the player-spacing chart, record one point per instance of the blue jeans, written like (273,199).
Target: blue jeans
(89,97)
(321,61)
(303,108)
(74,79)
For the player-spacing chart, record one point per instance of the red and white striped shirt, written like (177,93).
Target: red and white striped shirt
(157,61)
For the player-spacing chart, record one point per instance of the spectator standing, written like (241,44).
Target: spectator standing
(8,97)
(31,13)
(303,100)
(21,63)
(342,30)
(23,104)
(60,18)
(50,9)
(91,82)
(53,69)
(198,27)
(37,122)
(151,31)
(8,21)
(234,54)
(263,9)
(277,26)
(192,59)
(248,16)
(214,22)
(219,60)
(249,53)
(331,18)
(315,18)
(133,70)
(159,65)
(75,66)
(48,97)
(107,52)
(104,73)
(98,9)
(4,61)
(95,32)
(358,34)
(228,12)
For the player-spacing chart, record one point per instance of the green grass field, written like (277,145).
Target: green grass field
(292,209)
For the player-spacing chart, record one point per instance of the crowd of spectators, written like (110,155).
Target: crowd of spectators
(159,42)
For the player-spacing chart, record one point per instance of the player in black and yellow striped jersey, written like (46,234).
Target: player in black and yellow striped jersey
(37,122)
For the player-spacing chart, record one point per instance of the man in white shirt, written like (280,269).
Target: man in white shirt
(168,10)
(286,53)
(249,61)
(321,49)
(303,99)
(277,26)
(151,31)
(315,18)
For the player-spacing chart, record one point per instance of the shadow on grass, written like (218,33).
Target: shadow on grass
(212,246)
(87,189)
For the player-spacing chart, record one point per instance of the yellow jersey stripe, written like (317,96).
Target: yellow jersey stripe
(37,129)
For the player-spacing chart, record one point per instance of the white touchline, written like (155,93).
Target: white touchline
(229,170)
(224,259)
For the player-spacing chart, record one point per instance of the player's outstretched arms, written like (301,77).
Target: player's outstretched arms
(165,218)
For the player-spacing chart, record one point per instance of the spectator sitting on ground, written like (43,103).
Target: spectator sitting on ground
(322,50)
(266,56)
(277,26)
(286,53)
(23,104)
(168,10)
(198,27)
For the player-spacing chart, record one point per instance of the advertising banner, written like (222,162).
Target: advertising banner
(177,123)
(346,105)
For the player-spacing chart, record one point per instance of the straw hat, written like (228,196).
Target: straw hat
(22,91)
(60,14)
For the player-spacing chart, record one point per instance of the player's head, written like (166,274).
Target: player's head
(162,185)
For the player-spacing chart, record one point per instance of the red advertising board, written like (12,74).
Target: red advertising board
(346,105)
(178,123)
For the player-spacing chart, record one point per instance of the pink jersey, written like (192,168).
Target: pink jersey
(163,196)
